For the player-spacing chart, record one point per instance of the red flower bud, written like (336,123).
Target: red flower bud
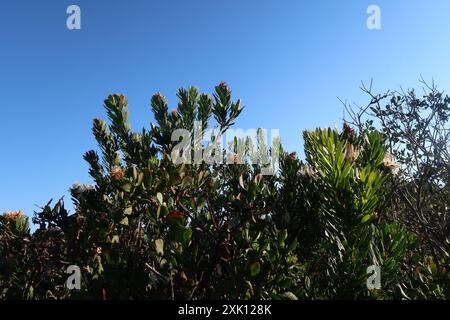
(175,214)
(157,95)
(293,155)
(348,130)
(223,85)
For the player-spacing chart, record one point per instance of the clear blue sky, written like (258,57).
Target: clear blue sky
(287,60)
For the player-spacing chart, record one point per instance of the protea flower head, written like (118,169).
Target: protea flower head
(13,215)
(117,173)
(390,163)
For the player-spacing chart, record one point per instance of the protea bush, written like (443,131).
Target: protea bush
(148,228)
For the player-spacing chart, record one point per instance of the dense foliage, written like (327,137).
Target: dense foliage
(148,228)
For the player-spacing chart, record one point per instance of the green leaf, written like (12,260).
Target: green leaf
(139,180)
(159,246)
(366,218)
(255,268)
(135,174)
(289,296)
(307,282)
(115,239)
(164,211)
(187,235)
(292,246)
(241,181)
(170,202)
(127,187)
(403,292)
(187,181)
(124,221)
(286,283)
(282,235)
(159,196)
(158,213)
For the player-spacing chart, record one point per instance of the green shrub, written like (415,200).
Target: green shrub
(149,228)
